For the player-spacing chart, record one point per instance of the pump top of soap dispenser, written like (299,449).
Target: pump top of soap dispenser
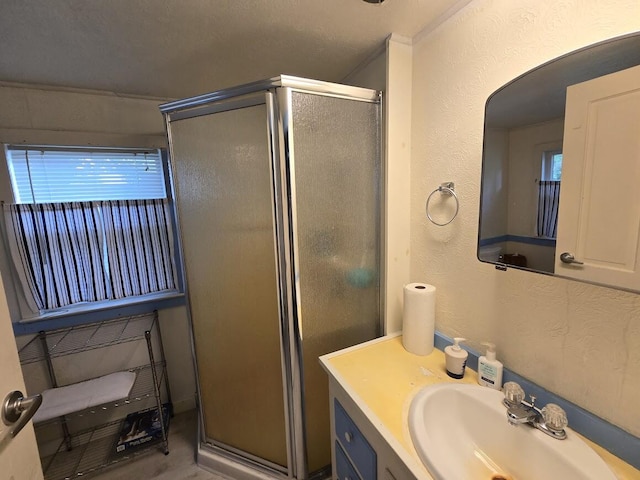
(455,358)
(491,350)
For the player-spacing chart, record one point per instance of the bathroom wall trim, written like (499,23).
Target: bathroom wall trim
(543,242)
(610,437)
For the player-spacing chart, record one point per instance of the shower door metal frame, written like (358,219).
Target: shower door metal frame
(190,110)
(279,122)
(288,185)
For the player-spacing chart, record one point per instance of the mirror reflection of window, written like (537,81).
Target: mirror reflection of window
(551,165)
(549,194)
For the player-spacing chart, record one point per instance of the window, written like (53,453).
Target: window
(549,193)
(89,226)
(552,166)
(47,175)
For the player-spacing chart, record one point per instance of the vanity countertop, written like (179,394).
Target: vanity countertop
(382,378)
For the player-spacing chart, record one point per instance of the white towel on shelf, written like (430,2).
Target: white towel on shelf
(78,396)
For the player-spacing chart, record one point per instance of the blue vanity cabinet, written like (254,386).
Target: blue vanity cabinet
(360,452)
(344,469)
(354,447)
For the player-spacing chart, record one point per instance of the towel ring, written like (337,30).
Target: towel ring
(446,188)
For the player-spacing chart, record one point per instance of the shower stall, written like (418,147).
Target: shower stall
(277,186)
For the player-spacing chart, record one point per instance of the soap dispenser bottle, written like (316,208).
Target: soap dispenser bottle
(490,369)
(455,358)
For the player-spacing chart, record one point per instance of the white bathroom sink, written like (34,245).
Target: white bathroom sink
(460,432)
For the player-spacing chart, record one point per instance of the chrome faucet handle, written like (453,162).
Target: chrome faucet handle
(513,393)
(554,417)
(532,400)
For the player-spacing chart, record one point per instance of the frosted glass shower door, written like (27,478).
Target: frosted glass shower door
(337,183)
(221,171)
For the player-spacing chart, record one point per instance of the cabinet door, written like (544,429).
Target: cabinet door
(354,442)
(344,469)
(599,218)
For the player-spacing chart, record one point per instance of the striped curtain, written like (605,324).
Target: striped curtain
(68,253)
(548,202)
(139,246)
(57,251)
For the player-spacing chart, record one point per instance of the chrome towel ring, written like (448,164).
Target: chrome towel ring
(446,188)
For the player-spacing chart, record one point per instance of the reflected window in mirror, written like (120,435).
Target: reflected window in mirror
(551,170)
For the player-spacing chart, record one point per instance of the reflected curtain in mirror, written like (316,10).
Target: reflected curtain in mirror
(548,202)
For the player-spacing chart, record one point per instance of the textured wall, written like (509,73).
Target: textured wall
(578,340)
(496,189)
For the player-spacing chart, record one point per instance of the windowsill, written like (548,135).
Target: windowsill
(97,306)
(97,311)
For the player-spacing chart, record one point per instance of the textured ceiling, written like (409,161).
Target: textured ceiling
(178,48)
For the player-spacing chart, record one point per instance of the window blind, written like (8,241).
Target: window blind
(49,175)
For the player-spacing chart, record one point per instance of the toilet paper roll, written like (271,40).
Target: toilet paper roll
(418,318)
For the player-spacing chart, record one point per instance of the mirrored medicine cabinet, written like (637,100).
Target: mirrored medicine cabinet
(560,190)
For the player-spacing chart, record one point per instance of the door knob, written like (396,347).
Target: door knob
(567,257)
(17,410)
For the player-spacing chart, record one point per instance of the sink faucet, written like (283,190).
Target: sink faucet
(551,419)
(519,414)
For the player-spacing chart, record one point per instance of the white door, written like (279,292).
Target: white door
(19,458)
(599,218)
